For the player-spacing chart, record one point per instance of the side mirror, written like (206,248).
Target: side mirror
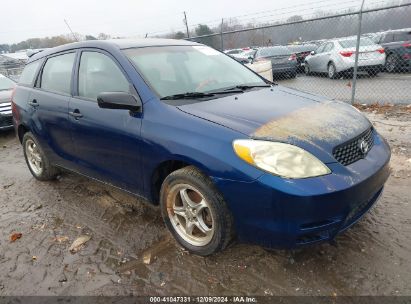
(119,100)
(312,53)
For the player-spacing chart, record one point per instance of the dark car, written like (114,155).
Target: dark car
(222,151)
(397,46)
(283,60)
(6,89)
(301,51)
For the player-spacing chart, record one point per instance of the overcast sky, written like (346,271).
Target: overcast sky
(22,19)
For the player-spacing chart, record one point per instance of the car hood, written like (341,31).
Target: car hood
(285,115)
(5,96)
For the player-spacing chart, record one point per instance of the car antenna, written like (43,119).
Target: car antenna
(75,37)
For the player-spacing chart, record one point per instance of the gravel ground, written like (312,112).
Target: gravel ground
(385,88)
(130,251)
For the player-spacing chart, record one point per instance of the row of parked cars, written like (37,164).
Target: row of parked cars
(389,51)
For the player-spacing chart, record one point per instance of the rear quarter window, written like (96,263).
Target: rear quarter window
(29,73)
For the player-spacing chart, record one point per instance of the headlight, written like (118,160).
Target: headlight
(280,159)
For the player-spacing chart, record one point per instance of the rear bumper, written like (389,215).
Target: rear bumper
(283,213)
(284,68)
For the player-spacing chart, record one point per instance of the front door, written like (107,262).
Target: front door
(106,141)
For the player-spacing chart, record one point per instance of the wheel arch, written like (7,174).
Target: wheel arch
(165,168)
(21,130)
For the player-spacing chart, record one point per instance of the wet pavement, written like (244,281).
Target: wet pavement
(131,252)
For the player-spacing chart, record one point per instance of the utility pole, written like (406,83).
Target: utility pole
(357,53)
(75,37)
(186,23)
(221,33)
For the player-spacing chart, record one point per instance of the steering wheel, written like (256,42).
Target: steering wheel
(206,83)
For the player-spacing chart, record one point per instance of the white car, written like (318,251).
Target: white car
(337,56)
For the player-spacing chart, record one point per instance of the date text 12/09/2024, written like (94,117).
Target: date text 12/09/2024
(207,299)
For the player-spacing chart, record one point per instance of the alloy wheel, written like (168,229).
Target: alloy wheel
(390,64)
(331,71)
(190,214)
(34,157)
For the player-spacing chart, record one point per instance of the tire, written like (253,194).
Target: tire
(332,71)
(307,69)
(391,63)
(212,216)
(373,73)
(36,159)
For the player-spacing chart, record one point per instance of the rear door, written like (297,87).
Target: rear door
(324,57)
(48,104)
(314,60)
(106,141)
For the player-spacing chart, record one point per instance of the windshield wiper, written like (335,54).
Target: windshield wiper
(247,87)
(194,95)
(188,95)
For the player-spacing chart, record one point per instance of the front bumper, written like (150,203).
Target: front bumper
(6,122)
(285,213)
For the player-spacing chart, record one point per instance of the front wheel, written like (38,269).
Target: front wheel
(391,64)
(36,160)
(195,212)
(373,73)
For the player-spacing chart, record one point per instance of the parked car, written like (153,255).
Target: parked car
(301,51)
(221,150)
(397,46)
(245,57)
(263,68)
(6,88)
(283,60)
(337,57)
(234,51)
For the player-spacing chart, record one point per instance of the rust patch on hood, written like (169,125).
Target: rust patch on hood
(326,121)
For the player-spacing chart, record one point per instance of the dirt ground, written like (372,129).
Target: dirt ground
(130,251)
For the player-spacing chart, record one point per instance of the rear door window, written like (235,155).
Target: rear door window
(402,36)
(328,47)
(388,38)
(99,73)
(320,49)
(29,73)
(56,75)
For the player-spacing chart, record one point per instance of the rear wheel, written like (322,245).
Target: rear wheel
(307,69)
(195,212)
(36,160)
(332,71)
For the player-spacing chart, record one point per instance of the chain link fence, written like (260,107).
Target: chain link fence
(361,56)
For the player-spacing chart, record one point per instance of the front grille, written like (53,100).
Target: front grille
(6,121)
(5,108)
(349,152)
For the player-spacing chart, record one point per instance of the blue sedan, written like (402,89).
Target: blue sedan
(225,153)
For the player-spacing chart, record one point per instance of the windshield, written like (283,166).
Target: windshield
(171,70)
(353,42)
(6,83)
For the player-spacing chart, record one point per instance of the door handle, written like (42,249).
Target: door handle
(76,114)
(34,103)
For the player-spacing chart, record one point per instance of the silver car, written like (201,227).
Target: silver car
(336,57)
(6,88)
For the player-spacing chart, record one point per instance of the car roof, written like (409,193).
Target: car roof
(112,43)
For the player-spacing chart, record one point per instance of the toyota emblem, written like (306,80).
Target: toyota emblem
(363,145)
